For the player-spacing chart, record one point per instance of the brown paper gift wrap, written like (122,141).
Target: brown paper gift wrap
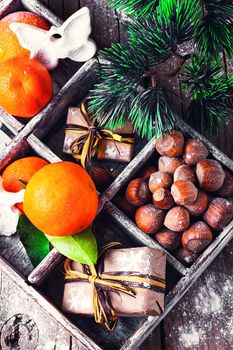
(78,296)
(107,149)
(74,118)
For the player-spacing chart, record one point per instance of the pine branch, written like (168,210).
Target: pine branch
(181,16)
(135,8)
(151,113)
(118,81)
(216,31)
(209,87)
(120,95)
(158,35)
(148,39)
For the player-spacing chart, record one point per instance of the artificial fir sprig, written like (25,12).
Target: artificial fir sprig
(151,112)
(158,35)
(135,8)
(119,80)
(209,87)
(129,90)
(216,30)
(128,86)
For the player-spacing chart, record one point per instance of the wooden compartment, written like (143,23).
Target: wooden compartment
(72,88)
(106,231)
(149,157)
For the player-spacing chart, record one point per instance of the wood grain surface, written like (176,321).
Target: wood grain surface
(202,320)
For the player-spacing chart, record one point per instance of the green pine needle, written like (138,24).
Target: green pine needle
(158,35)
(182,17)
(209,87)
(216,31)
(151,113)
(135,8)
(111,97)
(150,40)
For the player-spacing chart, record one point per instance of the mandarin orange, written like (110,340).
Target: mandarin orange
(61,199)
(21,170)
(25,86)
(9,44)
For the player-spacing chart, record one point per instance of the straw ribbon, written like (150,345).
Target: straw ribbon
(103,283)
(88,138)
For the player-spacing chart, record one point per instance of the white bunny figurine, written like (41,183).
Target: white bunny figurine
(71,40)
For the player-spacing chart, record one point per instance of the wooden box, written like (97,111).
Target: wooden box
(44,284)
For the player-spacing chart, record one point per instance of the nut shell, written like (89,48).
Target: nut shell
(186,257)
(210,175)
(177,219)
(184,192)
(194,151)
(168,239)
(200,205)
(197,237)
(169,165)
(159,179)
(162,198)
(227,188)
(219,213)
(149,218)
(137,192)
(171,144)
(185,172)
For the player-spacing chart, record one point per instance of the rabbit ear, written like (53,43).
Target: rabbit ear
(78,26)
(29,37)
(85,52)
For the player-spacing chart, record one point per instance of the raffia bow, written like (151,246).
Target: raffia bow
(120,281)
(85,146)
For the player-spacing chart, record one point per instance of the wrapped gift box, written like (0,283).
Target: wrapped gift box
(108,149)
(78,296)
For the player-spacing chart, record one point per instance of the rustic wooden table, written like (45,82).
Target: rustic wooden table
(204,317)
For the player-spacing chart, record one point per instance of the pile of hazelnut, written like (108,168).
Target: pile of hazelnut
(183,201)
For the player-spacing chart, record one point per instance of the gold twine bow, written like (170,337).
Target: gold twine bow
(85,146)
(116,282)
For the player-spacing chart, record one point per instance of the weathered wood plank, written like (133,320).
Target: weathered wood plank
(70,6)
(57,7)
(104,22)
(203,319)
(25,325)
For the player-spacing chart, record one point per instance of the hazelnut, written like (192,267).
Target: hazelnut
(162,198)
(169,165)
(200,205)
(125,206)
(149,218)
(171,144)
(137,192)
(159,179)
(146,173)
(184,192)
(227,188)
(194,151)
(219,213)
(210,175)
(177,219)
(168,239)
(197,237)
(186,257)
(185,172)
